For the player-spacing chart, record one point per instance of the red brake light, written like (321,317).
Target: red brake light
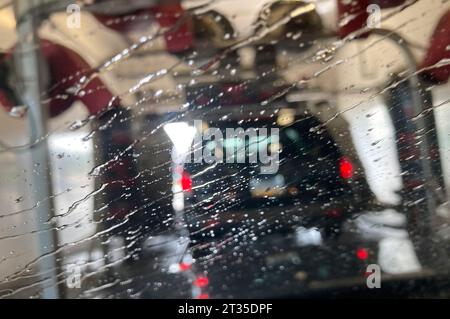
(346,168)
(184,266)
(201,282)
(186,182)
(362,253)
(335,212)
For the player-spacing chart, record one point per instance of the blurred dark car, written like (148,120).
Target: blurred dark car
(315,184)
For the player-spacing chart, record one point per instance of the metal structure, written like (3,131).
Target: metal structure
(29,72)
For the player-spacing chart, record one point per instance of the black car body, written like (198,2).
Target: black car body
(318,182)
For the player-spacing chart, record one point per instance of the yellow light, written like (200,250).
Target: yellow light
(302,10)
(286,117)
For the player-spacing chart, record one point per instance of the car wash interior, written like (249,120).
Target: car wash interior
(224,149)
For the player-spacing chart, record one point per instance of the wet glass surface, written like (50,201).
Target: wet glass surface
(221,149)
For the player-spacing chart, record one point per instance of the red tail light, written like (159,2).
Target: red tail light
(186,182)
(201,282)
(346,168)
(362,253)
(184,266)
(335,213)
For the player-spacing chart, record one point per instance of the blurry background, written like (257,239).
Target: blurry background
(360,69)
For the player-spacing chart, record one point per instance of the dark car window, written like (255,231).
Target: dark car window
(307,162)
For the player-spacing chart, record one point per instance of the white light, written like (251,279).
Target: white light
(308,237)
(181,135)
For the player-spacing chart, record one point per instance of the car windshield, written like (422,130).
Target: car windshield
(224,149)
